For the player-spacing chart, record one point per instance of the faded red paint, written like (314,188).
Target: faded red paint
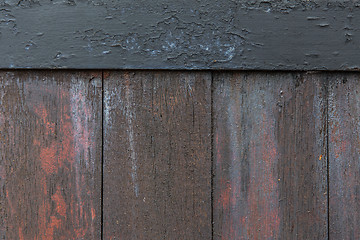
(225,195)
(106,74)
(218,152)
(49,159)
(21,235)
(2,173)
(344,164)
(264,219)
(59,202)
(51,164)
(93,215)
(64,143)
(96,74)
(51,226)
(257,216)
(10,203)
(337,137)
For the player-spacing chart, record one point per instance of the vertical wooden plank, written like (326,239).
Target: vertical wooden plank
(157,155)
(50,134)
(344,155)
(270,156)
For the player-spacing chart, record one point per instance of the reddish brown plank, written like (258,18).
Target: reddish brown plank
(270,160)
(157,155)
(50,134)
(344,155)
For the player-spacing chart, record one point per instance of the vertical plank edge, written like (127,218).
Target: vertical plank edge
(344,148)
(157,155)
(270,156)
(50,147)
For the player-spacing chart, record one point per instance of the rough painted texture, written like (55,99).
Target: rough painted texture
(344,147)
(50,135)
(157,155)
(169,34)
(270,163)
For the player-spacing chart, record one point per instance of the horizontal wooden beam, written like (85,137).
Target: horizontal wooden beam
(181,34)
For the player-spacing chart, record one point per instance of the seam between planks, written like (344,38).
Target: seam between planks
(327,154)
(102,156)
(212,151)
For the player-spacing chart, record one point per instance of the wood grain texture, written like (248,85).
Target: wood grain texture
(270,161)
(50,175)
(344,149)
(157,155)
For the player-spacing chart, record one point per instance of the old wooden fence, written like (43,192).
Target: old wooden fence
(179,155)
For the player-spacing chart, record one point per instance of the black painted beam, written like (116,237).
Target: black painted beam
(181,34)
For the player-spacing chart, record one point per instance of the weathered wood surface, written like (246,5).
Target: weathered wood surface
(50,134)
(277,141)
(344,162)
(157,155)
(180,34)
(270,158)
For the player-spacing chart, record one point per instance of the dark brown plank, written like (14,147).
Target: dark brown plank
(270,156)
(344,154)
(157,155)
(50,134)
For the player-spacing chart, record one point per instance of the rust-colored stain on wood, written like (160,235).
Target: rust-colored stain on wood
(344,147)
(269,130)
(179,155)
(50,149)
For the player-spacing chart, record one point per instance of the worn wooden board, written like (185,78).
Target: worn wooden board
(344,148)
(270,158)
(180,34)
(50,135)
(157,155)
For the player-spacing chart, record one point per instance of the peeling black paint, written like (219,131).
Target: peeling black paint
(223,34)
